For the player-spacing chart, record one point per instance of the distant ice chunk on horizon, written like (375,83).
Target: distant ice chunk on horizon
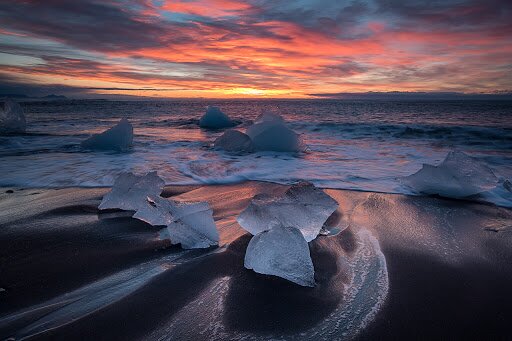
(283,252)
(458,176)
(188,224)
(214,118)
(12,118)
(119,138)
(302,206)
(270,133)
(234,141)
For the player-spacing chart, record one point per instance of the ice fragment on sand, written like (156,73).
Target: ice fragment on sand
(130,192)
(303,206)
(271,133)
(188,224)
(234,141)
(119,137)
(12,119)
(215,119)
(283,252)
(193,226)
(458,176)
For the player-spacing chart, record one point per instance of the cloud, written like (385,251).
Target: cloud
(276,46)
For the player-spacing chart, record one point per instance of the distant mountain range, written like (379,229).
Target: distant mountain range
(25,97)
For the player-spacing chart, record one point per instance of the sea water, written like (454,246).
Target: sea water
(362,145)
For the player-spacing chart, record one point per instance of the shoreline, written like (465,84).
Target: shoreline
(448,275)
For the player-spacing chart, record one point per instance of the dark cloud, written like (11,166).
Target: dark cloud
(87,24)
(399,95)
(450,15)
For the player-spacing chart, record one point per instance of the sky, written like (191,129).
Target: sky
(254,48)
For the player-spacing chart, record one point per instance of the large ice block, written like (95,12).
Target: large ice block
(119,137)
(303,206)
(234,141)
(214,118)
(283,252)
(270,133)
(458,176)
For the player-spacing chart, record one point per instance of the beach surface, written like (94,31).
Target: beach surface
(403,267)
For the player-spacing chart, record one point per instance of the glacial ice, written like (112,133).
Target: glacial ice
(12,119)
(458,176)
(215,119)
(234,141)
(269,132)
(193,227)
(303,206)
(269,117)
(188,224)
(131,192)
(283,252)
(119,137)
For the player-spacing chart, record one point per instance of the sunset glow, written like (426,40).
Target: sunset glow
(257,48)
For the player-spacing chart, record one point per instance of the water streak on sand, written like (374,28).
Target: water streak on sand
(362,297)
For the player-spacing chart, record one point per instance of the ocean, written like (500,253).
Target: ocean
(361,145)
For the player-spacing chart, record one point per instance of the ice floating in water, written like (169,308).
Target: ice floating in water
(283,252)
(215,119)
(119,137)
(270,133)
(234,141)
(303,206)
(130,192)
(269,117)
(188,224)
(12,119)
(458,176)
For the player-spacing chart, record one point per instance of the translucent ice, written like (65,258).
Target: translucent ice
(215,119)
(303,206)
(283,252)
(269,117)
(193,227)
(131,192)
(12,119)
(119,137)
(270,133)
(458,176)
(188,224)
(234,141)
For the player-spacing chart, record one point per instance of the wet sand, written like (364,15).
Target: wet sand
(70,272)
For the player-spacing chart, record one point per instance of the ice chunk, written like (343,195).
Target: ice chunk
(119,137)
(191,224)
(156,211)
(274,135)
(458,176)
(303,206)
(12,119)
(283,252)
(215,119)
(188,224)
(269,117)
(194,226)
(234,141)
(130,192)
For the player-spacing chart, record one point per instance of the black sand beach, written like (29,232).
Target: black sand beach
(70,272)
